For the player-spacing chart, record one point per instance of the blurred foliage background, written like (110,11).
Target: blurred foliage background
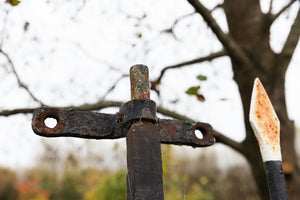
(184,178)
(59,177)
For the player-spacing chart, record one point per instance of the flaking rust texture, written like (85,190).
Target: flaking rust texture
(72,123)
(137,121)
(139,82)
(171,132)
(264,118)
(38,123)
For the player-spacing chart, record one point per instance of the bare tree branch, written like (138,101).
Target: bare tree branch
(78,10)
(97,106)
(4,23)
(275,16)
(229,44)
(87,107)
(171,29)
(227,141)
(219,136)
(21,83)
(290,44)
(210,57)
(80,48)
(270,7)
(220,5)
(114,85)
(6,113)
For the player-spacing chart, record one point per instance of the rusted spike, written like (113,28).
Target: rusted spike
(184,133)
(139,81)
(73,123)
(266,127)
(265,123)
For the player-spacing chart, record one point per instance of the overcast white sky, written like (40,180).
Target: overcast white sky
(71,55)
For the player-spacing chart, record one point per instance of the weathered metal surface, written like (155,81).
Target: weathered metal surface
(137,110)
(266,127)
(144,165)
(265,123)
(136,121)
(91,125)
(72,123)
(276,180)
(144,162)
(139,81)
(183,133)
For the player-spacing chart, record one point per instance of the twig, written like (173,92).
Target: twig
(87,107)
(114,85)
(7,113)
(79,47)
(219,137)
(105,104)
(21,83)
(78,10)
(227,141)
(171,29)
(220,5)
(229,44)
(210,57)
(270,7)
(290,43)
(97,106)
(274,17)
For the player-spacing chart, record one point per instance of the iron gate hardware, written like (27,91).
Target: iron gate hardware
(137,121)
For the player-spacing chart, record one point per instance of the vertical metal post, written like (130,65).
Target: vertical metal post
(144,164)
(137,121)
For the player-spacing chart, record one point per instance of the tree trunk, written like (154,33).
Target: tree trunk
(249,27)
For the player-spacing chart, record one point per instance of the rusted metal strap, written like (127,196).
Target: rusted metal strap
(90,125)
(184,133)
(72,123)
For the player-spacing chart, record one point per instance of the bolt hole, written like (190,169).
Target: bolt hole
(50,122)
(198,134)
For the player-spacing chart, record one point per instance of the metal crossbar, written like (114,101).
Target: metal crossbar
(144,132)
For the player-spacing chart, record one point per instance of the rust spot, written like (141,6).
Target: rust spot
(139,79)
(39,121)
(268,125)
(287,167)
(170,130)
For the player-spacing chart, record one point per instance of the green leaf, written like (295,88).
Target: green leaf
(26,25)
(202,77)
(192,90)
(13,2)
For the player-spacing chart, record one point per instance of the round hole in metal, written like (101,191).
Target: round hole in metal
(198,134)
(50,122)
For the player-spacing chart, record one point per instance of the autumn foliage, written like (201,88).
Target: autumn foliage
(190,179)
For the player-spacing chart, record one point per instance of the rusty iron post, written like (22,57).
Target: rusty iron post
(137,121)
(144,165)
